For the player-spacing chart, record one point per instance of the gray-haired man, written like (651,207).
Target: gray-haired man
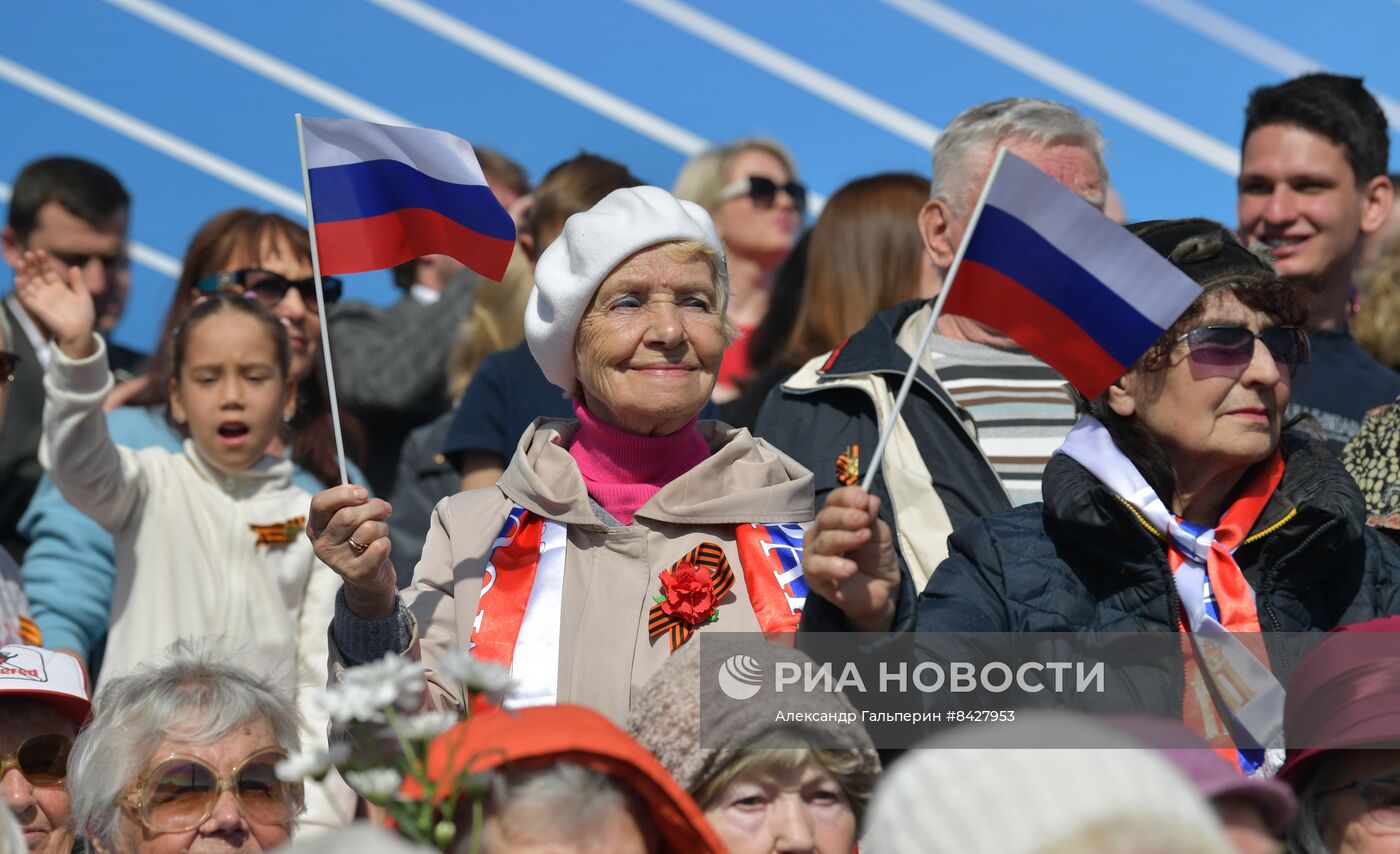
(984,415)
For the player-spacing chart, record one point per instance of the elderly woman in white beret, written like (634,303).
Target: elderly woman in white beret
(613,537)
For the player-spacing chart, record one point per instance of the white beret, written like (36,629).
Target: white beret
(593,244)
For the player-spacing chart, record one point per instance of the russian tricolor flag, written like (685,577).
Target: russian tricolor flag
(1075,289)
(381,195)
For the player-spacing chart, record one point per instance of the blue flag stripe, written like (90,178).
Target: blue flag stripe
(1012,248)
(377,187)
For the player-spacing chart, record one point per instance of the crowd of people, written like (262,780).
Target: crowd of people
(657,426)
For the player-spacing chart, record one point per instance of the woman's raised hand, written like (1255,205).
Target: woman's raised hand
(351,536)
(62,306)
(848,559)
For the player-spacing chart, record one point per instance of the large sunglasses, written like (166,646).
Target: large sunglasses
(179,794)
(269,288)
(8,362)
(1233,346)
(43,759)
(764,191)
(1381,796)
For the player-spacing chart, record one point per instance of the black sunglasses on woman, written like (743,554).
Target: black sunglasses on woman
(269,288)
(764,192)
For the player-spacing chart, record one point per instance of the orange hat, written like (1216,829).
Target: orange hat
(545,735)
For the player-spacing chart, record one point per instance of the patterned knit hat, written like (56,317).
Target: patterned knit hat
(1203,249)
(1372,459)
(667,718)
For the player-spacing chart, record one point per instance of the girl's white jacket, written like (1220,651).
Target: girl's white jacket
(188,559)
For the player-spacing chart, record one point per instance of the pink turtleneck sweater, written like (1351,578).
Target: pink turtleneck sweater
(624,470)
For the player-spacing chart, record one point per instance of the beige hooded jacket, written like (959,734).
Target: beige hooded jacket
(610,573)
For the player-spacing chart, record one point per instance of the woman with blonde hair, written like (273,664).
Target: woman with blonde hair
(750,188)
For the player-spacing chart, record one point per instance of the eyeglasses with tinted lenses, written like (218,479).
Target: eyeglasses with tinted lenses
(269,288)
(8,362)
(1233,346)
(1381,796)
(43,759)
(764,191)
(179,794)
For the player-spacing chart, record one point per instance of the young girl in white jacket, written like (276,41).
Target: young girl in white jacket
(209,541)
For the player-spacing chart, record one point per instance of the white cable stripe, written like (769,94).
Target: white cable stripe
(140,252)
(557,80)
(793,70)
(258,62)
(1028,60)
(154,259)
(552,78)
(166,143)
(1253,44)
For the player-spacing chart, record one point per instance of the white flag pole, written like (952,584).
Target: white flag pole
(918,356)
(321,306)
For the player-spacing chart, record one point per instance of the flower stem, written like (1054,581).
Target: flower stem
(478,818)
(406,746)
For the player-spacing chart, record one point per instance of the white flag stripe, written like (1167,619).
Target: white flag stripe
(1127,266)
(340,142)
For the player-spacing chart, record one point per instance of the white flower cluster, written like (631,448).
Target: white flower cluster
(476,676)
(376,784)
(367,690)
(312,764)
(426,726)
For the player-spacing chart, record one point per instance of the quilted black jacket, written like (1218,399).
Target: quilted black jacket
(1083,561)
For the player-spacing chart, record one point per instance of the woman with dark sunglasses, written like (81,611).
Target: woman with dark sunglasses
(751,190)
(1180,502)
(182,756)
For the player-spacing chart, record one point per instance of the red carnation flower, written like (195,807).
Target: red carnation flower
(689,594)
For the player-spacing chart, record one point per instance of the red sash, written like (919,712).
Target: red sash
(505,589)
(771,557)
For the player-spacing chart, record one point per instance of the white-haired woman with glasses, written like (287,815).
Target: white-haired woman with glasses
(750,187)
(1179,502)
(181,756)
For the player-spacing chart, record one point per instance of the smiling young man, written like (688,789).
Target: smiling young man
(1312,188)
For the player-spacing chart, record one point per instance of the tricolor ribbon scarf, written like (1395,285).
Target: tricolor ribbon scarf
(519,609)
(1217,602)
